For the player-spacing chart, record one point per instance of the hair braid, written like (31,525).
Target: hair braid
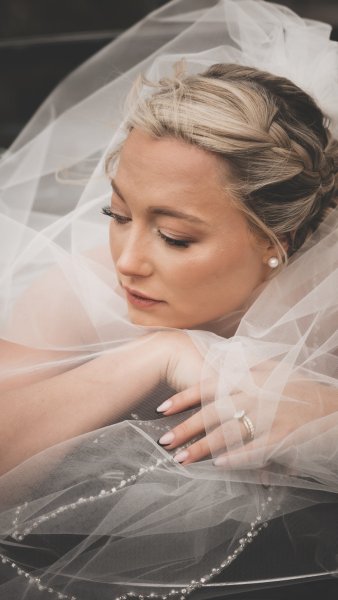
(271,133)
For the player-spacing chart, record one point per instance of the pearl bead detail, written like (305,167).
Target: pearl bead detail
(256,526)
(104,493)
(273,262)
(31,580)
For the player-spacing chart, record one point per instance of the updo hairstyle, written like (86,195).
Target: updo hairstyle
(269,132)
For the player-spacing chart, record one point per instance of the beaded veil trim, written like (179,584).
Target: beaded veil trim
(18,534)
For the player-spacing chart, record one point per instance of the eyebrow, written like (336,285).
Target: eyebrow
(162,210)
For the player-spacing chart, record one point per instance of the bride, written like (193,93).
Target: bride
(170,392)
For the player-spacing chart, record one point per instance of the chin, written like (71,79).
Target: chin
(147,320)
(150,320)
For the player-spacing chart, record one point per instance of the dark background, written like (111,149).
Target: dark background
(41,41)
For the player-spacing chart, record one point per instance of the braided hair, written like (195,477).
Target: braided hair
(274,137)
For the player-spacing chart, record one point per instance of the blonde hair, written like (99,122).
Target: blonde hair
(272,135)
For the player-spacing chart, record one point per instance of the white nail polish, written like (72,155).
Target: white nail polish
(164,406)
(167,438)
(220,461)
(181,456)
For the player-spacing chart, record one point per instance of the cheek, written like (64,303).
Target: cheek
(205,263)
(240,267)
(236,267)
(182,270)
(113,243)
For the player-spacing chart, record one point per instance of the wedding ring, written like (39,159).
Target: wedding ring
(241,415)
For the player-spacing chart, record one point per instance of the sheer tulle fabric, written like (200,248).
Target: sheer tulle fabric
(110,512)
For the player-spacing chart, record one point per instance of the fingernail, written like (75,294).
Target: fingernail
(164,406)
(220,461)
(181,456)
(167,438)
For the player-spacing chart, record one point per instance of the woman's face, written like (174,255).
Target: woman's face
(176,237)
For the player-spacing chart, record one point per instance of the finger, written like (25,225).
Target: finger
(188,398)
(235,403)
(202,421)
(238,458)
(206,420)
(254,454)
(194,453)
(222,438)
(201,448)
(184,432)
(181,401)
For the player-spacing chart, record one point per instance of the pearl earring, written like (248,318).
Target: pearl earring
(273,262)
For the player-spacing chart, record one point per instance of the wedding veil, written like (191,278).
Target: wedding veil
(110,513)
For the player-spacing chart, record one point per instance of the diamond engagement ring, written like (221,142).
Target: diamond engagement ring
(241,415)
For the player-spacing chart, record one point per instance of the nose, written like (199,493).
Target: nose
(135,255)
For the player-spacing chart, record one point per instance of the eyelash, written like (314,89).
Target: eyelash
(120,220)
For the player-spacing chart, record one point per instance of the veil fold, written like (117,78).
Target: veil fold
(110,514)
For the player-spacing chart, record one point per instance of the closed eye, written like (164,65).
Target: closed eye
(173,242)
(122,220)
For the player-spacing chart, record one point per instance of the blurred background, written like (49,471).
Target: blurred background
(41,41)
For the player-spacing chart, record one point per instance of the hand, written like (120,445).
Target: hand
(303,401)
(183,363)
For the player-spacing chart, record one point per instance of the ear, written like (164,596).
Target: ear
(273,251)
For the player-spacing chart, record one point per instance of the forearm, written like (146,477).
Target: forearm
(90,396)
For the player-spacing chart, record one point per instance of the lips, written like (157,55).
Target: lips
(140,295)
(140,300)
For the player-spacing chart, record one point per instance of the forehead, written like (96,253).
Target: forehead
(167,166)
